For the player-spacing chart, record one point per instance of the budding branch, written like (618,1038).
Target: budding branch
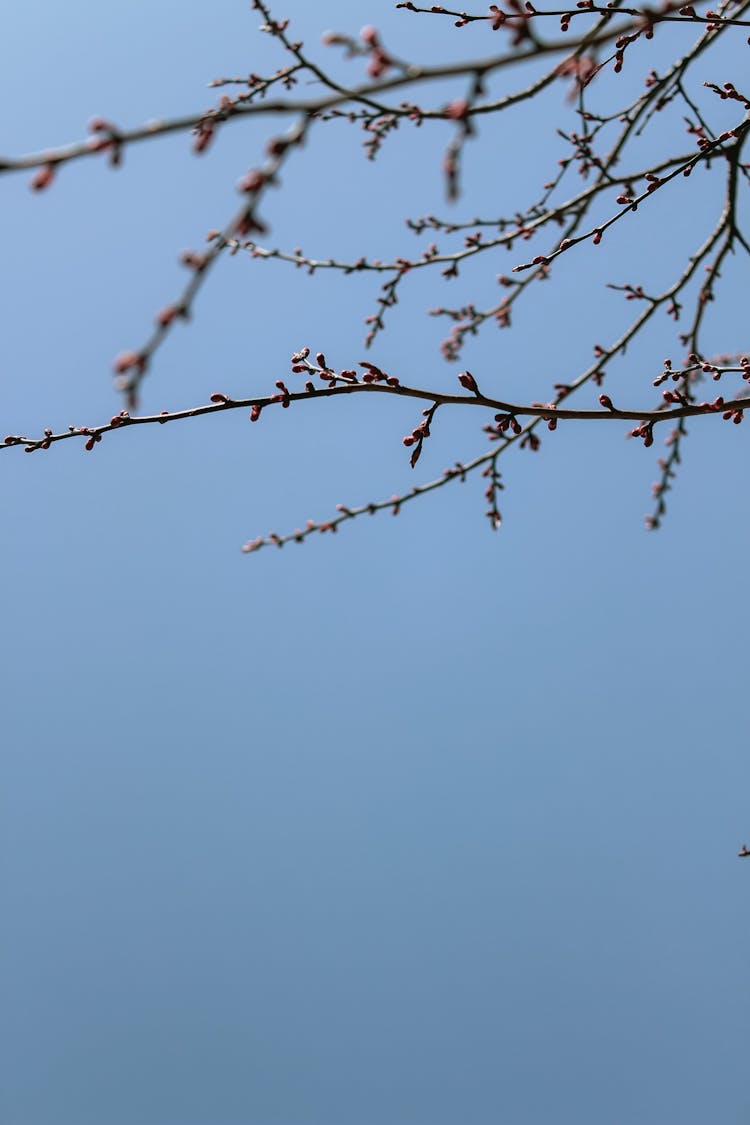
(580,59)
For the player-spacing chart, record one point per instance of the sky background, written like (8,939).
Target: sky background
(412,824)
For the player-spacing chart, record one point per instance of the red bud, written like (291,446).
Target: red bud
(467,380)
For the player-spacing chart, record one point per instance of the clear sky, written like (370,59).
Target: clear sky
(417,824)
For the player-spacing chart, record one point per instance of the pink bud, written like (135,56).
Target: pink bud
(277,146)
(193,261)
(166,315)
(253,181)
(203,138)
(467,380)
(43,178)
(125,360)
(101,125)
(457,110)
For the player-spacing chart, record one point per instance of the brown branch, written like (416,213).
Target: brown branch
(727,144)
(132,366)
(312,107)
(676,12)
(221,403)
(624,26)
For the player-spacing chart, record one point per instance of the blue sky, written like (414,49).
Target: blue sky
(416,823)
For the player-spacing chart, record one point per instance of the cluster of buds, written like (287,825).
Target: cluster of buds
(275,27)
(692,371)
(714,407)
(284,394)
(516,20)
(106,138)
(92,439)
(373,374)
(418,435)
(494,486)
(583,152)
(507,422)
(502,313)
(729,92)
(635,293)
(380,61)
(675,398)
(203,132)
(645,431)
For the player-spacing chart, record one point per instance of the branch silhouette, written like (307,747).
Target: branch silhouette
(611,186)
